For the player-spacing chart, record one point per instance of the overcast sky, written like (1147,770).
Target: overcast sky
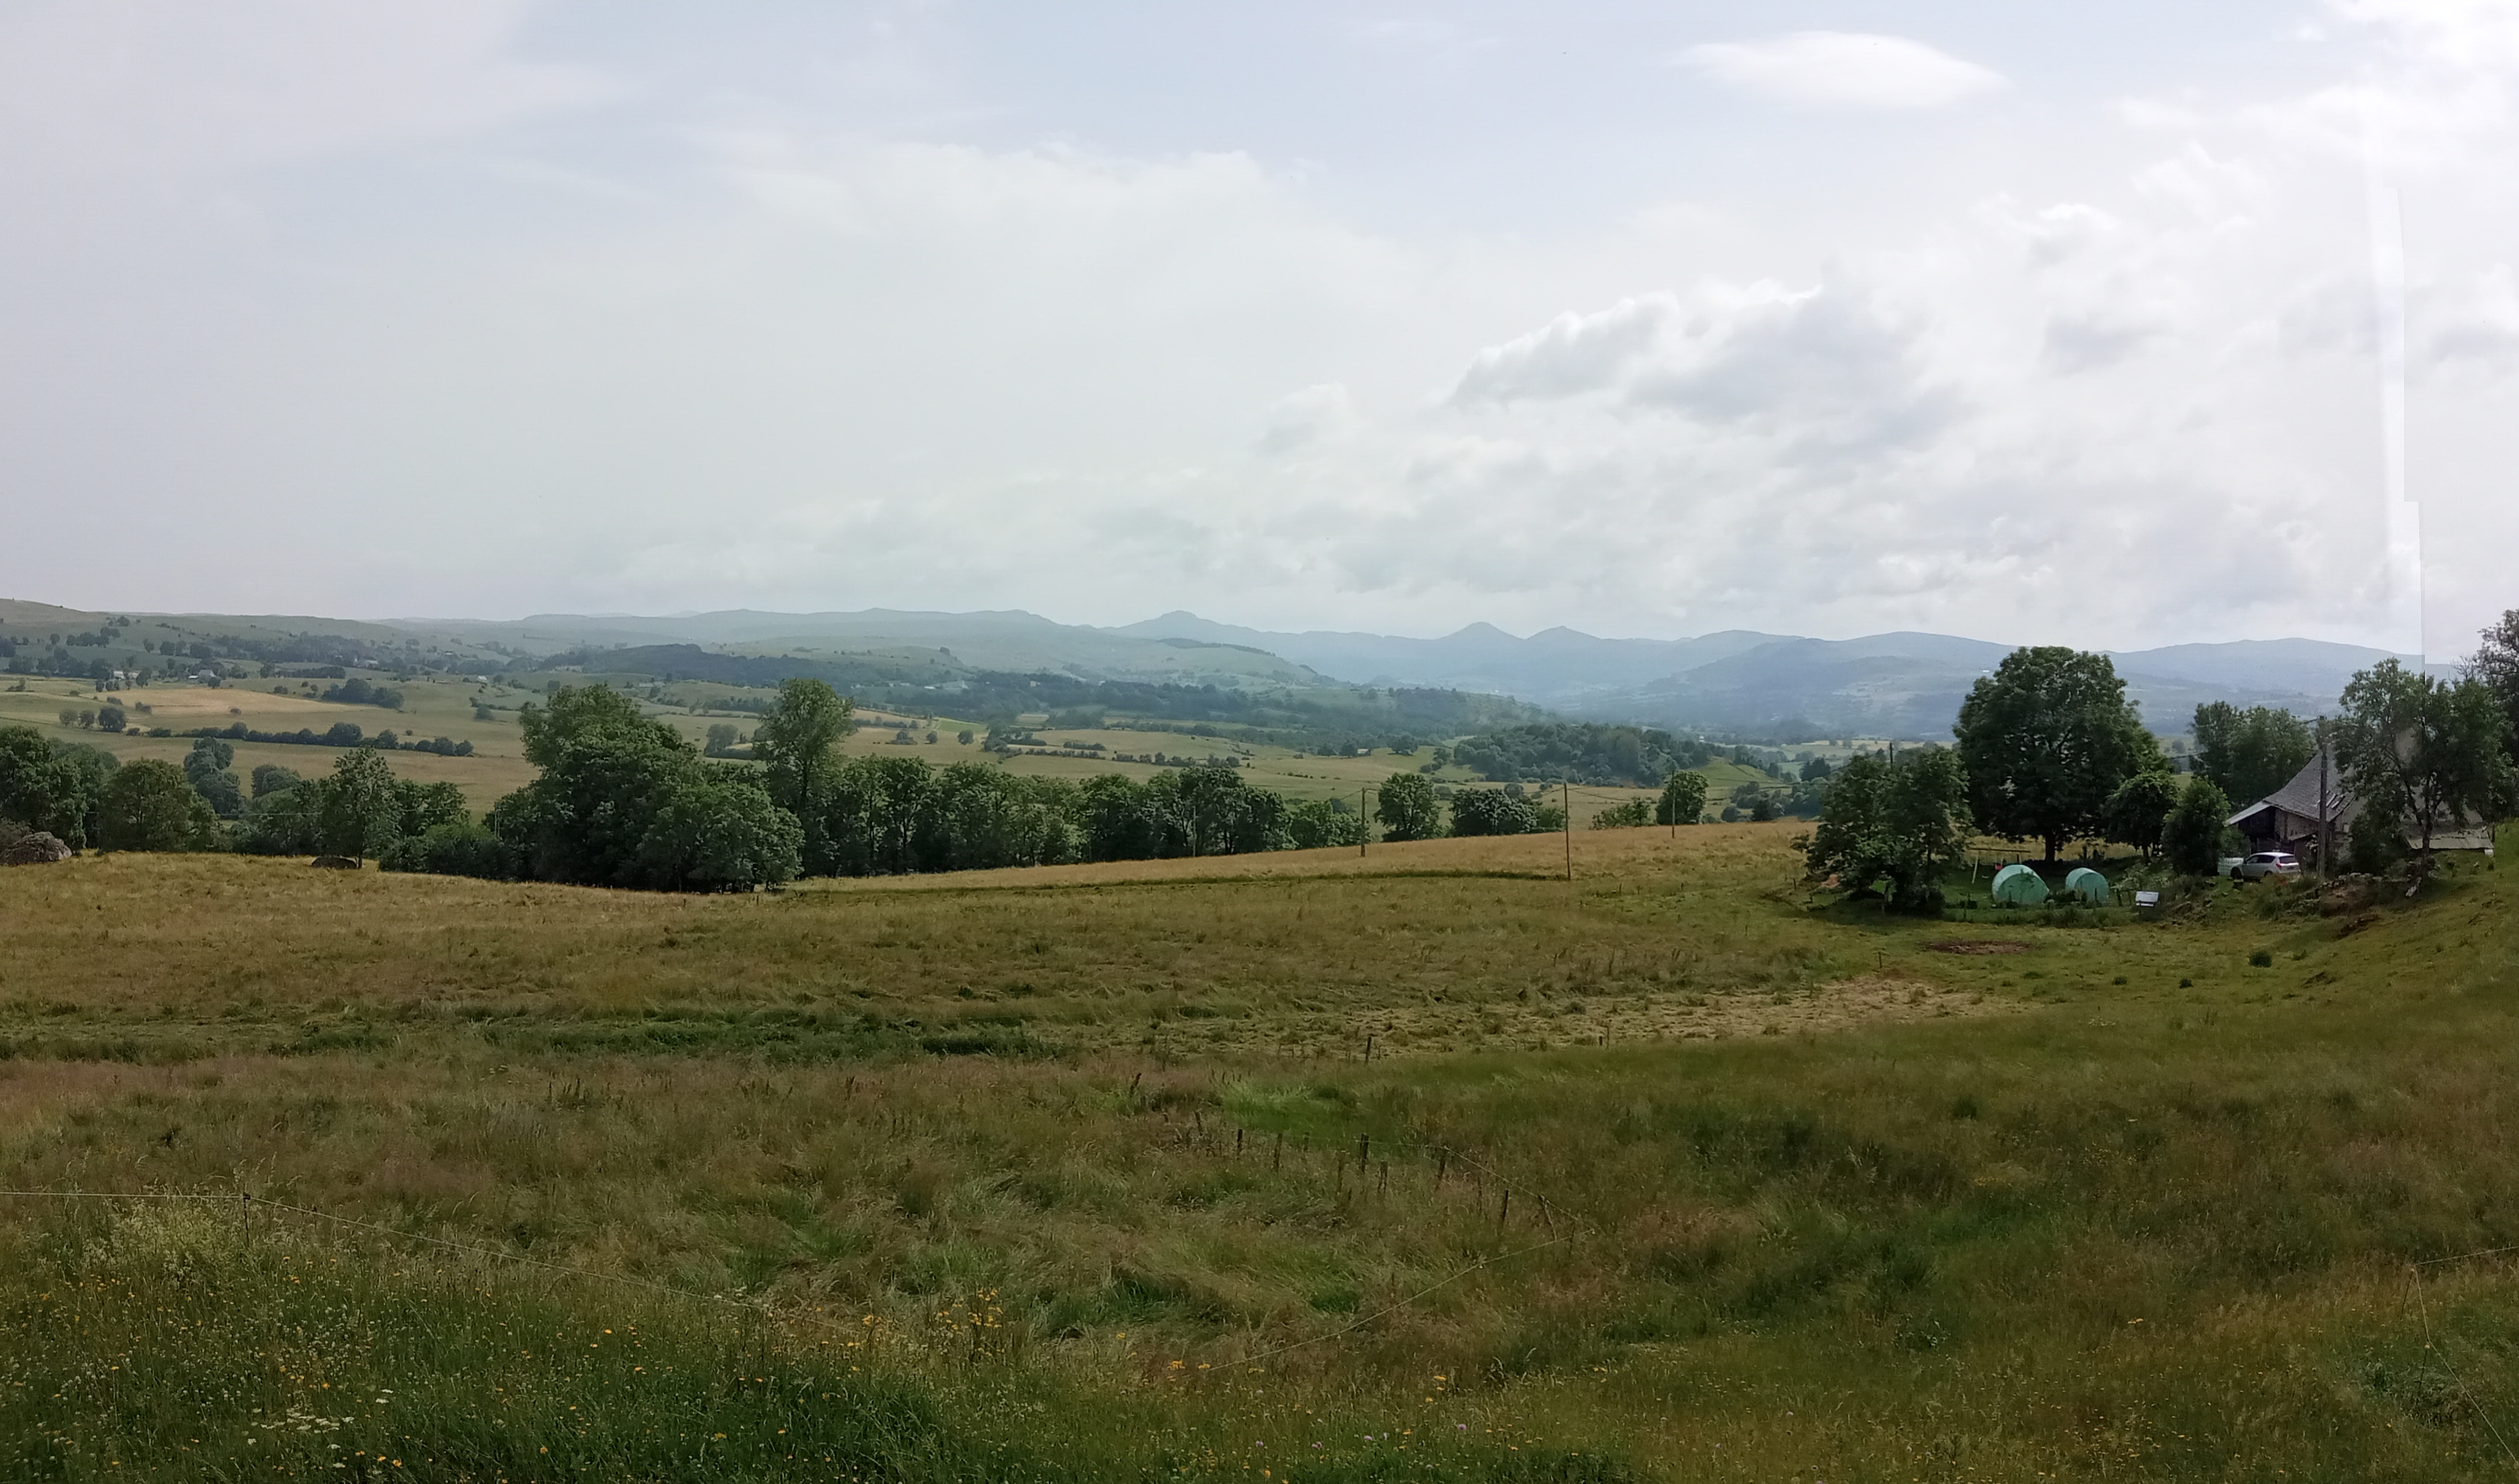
(2029,323)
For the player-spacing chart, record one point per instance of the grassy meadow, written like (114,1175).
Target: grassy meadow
(1421,1163)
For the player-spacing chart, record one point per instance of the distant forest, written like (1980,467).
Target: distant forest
(1326,719)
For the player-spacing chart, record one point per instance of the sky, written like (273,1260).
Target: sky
(2106,325)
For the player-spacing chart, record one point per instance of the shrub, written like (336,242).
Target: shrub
(461,848)
(1492,812)
(1623,816)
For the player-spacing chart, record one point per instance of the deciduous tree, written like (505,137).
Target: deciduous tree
(1683,799)
(1407,806)
(2046,740)
(2421,750)
(150,806)
(2250,753)
(1902,823)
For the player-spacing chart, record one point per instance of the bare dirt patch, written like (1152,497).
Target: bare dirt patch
(1978,945)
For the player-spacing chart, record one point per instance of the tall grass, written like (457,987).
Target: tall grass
(2122,1229)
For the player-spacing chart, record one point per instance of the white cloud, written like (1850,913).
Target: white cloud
(1842,70)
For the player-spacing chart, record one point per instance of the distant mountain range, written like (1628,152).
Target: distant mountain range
(1757,684)
(1884,684)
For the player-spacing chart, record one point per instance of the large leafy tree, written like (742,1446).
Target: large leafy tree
(718,830)
(799,742)
(206,766)
(1902,823)
(2046,740)
(359,811)
(2494,666)
(2250,753)
(606,768)
(150,806)
(2426,752)
(877,817)
(1407,808)
(1682,800)
(43,787)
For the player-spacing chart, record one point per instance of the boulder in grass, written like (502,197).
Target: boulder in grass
(37,849)
(334,863)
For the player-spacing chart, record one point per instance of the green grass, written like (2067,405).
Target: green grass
(1961,1216)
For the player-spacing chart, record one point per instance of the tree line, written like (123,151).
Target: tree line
(2047,748)
(87,797)
(623,800)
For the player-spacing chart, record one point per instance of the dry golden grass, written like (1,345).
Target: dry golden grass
(1961,1216)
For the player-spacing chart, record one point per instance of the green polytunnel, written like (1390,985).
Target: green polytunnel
(2019,886)
(2088,885)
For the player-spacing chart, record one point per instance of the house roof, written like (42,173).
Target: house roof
(2299,797)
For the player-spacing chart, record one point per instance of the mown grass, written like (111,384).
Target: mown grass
(1932,1215)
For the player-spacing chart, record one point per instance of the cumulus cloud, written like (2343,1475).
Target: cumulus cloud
(1842,69)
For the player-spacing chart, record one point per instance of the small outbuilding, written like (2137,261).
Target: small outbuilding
(2019,886)
(2088,885)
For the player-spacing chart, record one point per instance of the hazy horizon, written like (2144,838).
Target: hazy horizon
(1640,321)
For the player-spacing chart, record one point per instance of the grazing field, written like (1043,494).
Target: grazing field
(1424,1163)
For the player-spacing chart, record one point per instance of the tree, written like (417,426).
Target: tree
(420,808)
(1904,823)
(1313,825)
(721,739)
(41,787)
(2424,752)
(799,740)
(1406,806)
(360,812)
(2494,666)
(2138,807)
(606,767)
(2190,838)
(1492,812)
(1683,799)
(150,806)
(2045,741)
(719,831)
(2250,753)
(286,822)
(272,778)
(110,719)
(206,768)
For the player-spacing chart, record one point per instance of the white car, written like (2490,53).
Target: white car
(2265,864)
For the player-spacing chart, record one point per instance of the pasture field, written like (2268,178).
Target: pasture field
(432,708)
(1424,1163)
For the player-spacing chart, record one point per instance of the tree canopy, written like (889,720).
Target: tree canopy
(1682,800)
(150,806)
(1407,808)
(1901,823)
(2424,751)
(2494,666)
(2190,837)
(2046,741)
(2250,753)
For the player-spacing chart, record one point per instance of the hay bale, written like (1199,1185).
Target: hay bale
(334,863)
(37,849)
